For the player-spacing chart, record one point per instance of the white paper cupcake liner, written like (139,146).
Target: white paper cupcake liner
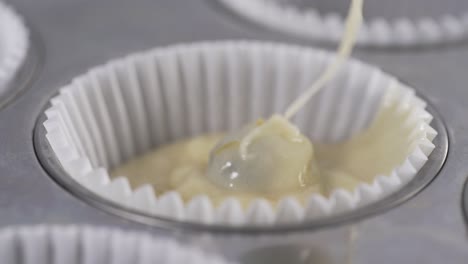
(380,32)
(132,105)
(14,43)
(92,245)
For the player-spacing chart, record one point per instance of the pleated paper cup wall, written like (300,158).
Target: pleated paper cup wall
(399,23)
(14,43)
(92,245)
(132,105)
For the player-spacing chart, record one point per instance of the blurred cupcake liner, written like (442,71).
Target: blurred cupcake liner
(379,32)
(132,105)
(92,245)
(14,43)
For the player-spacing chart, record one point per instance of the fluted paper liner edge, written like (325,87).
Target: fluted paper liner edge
(14,43)
(50,244)
(329,27)
(131,105)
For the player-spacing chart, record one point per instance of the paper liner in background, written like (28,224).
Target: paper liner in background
(329,27)
(14,43)
(131,105)
(92,245)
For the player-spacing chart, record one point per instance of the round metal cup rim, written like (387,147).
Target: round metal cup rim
(424,176)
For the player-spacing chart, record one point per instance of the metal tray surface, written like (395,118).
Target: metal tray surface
(77,34)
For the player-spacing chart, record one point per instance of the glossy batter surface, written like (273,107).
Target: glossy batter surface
(181,166)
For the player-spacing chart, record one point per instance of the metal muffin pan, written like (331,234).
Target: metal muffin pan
(429,227)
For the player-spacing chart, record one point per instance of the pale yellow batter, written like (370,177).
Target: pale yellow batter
(181,166)
(275,158)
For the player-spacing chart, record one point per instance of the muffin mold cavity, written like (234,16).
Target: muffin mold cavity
(129,106)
